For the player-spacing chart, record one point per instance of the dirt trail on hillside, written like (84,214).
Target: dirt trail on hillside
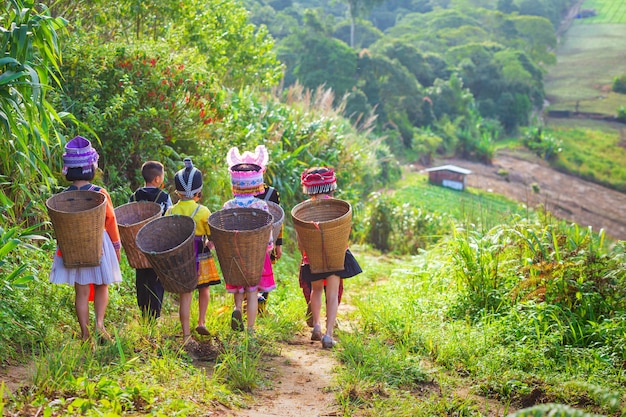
(565,196)
(300,378)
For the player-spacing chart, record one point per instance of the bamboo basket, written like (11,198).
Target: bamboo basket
(131,217)
(168,244)
(323,230)
(278,216)
(78,221)
(240,236)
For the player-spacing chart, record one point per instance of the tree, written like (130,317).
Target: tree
(357,8)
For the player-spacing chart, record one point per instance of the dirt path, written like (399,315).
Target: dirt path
(300,377)
(565,196)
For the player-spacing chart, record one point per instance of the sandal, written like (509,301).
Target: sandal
(202,330)
(328,342)
(316,334)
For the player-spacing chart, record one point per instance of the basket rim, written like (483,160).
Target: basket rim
(245,209)
(160,219)
(310,202)
(132,203)
(277,206)
(101,197)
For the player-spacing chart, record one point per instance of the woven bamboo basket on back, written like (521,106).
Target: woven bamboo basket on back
(78,221)
(240,237)
(168,244)
(278,216)
(131,218)
(323,230)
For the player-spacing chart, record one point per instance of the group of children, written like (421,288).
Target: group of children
(249,190)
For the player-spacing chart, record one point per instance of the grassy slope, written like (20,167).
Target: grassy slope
(411,358)
(593,151)
(590,55)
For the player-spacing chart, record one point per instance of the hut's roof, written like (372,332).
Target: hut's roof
(452,168)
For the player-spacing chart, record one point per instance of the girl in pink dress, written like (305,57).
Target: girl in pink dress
(246,172)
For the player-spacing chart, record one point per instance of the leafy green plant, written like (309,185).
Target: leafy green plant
(16,273)
(29,66)
(239,365)
(546,146)
(619,84)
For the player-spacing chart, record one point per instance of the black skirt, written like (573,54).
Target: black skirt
(350,268)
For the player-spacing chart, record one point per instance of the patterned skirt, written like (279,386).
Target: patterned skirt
(205,265)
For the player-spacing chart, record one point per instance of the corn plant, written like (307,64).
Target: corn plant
(29,64)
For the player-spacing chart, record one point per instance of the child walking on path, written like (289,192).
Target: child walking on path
(269,194)
(80,162)
(321,183)
(246,172)
(189,188)
(149,289)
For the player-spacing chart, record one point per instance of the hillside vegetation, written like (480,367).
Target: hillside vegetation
(460,291)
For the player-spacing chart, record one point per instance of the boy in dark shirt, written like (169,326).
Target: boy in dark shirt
(149,288)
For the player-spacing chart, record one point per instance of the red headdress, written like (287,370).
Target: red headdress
(318,180)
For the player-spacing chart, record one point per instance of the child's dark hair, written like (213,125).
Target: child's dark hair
(246,168)
(77,174)
(317,170)
(150,170)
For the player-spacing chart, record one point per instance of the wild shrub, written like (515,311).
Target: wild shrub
(402,228)
(563,266)
(546,146)
(619,84)
(21,320)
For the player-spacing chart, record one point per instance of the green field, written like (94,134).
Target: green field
(609,11)
(472,206)
(590,55)
(593,153)
(588,59)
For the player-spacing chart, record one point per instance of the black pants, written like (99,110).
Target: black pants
(149,292)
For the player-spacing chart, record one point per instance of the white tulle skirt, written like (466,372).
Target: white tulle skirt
(107,272)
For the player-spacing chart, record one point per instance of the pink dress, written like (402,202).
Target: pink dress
(266,283)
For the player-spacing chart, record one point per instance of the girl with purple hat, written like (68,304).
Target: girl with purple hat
(80,162)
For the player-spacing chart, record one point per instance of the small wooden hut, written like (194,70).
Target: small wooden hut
(450,176)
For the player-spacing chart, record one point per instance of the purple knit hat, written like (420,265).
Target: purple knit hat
(79,154)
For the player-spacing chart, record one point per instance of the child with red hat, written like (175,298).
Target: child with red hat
(321,183)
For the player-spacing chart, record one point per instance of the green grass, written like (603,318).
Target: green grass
(471,206)
(594,154)
(405,308)
(588,59)
(609,11)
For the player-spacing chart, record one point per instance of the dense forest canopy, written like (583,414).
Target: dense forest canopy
(497,51)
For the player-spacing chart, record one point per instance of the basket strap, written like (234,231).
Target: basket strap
(156,199)
(195,211)
(317,226)
(242,268)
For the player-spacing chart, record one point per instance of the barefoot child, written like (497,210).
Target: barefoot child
(80,162)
